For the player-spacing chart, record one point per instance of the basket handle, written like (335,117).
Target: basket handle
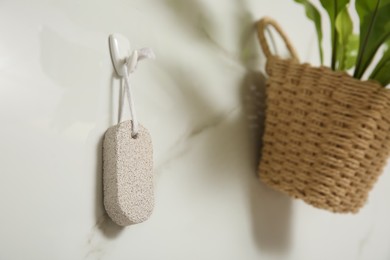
(261,27)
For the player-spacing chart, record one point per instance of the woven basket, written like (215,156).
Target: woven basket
(327,135)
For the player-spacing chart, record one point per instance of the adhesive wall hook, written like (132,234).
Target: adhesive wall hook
(118,57)
(123,57)
(125,64)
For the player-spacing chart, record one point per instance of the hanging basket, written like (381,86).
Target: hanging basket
(327,135)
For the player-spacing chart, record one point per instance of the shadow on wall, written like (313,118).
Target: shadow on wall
(271,210)
(103,222)
(192,15)
(197,20)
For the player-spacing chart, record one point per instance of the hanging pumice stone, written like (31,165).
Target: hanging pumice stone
(128,174)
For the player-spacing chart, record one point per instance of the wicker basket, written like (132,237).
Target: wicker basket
(327,135)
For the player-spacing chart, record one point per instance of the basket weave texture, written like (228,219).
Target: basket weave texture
(327,135)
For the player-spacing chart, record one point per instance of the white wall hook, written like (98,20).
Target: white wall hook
(119,56)
(124,57)
(125,64)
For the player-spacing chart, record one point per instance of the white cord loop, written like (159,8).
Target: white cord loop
(129,68)
(124,70)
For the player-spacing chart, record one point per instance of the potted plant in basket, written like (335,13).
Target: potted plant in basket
(327,133)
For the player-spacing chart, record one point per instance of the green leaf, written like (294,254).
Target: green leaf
(351,51)
(381,72)
(314,15)
(333,8)
(344,28)
(374,30)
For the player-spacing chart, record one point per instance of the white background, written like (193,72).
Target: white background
(201,99)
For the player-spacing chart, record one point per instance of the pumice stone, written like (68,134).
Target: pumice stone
(128,174)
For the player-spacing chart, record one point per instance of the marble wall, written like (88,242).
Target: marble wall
(202,100)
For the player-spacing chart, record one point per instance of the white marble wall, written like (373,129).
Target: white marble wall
(202,100)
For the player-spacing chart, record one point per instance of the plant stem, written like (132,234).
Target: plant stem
(357,73)
(379,68)
(334,52)
(334,44)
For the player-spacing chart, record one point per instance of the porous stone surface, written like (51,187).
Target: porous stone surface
(128,174)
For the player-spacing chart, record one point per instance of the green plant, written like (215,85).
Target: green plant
(382,70)
(350,50)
